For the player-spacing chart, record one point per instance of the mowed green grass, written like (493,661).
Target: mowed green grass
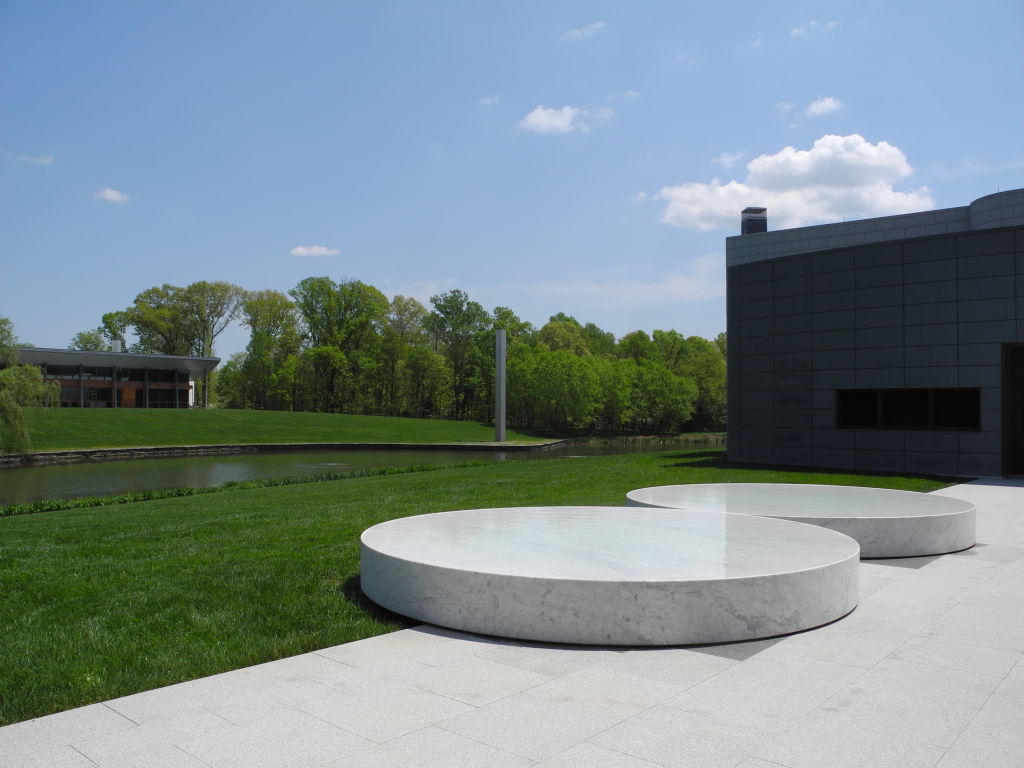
(100,603)
(85,428)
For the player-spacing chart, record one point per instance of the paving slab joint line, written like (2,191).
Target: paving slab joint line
(478,741)
(106,705)
(84,756)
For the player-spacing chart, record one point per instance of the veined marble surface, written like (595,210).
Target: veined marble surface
(610,575)
(885,522)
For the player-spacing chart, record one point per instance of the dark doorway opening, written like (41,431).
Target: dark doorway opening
(1013,409)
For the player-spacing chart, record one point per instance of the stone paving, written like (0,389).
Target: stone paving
(927,671)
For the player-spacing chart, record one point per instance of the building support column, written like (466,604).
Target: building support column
(113,387)
(177,391)
(145,385)
(81,388)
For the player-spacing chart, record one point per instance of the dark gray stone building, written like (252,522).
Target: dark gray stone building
(892,344)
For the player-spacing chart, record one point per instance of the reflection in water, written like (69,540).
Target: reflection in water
(64,481)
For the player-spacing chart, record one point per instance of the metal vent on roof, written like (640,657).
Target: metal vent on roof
(753,220)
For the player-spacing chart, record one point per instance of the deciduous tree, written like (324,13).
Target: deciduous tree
(455,325)
(161,321)
(8,343)
(90,341)
(210,308)
(561,334)
(21,387)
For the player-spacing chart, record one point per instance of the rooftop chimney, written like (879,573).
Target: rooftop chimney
(115,345)
(753,220)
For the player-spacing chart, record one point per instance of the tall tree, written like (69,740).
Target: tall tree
(515,328)
(210,307)
(722,343)
(21,387)
(403,330)
(324,370)
(455,325)
(231,383)
(161,320)
(349,317)
(615,378)
(8,343)
(637,346)
(561,317)
(92,340)
(114,326)
(270,312)
(598,342)
(661,401)
(316,298)
(523,378)
(562,334)
(568,388)
(273,322)
(361,311)
(703,363)
(425,384)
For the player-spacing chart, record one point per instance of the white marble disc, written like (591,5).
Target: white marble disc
(610,575)
(884,522)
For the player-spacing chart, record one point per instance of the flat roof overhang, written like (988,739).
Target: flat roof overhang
(196,367)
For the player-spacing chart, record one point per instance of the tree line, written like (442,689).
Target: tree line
(346,347)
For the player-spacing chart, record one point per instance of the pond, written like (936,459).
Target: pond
(63,481)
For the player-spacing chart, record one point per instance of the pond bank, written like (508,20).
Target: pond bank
(45,458)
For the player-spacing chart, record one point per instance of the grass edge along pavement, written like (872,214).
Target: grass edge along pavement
(100,603)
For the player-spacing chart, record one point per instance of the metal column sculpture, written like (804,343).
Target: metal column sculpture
(499,386)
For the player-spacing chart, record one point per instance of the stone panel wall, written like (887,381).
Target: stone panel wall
(930,312)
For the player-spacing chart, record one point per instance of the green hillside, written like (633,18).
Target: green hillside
(78,429)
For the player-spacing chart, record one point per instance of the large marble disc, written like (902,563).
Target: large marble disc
(884,522)
(610,575)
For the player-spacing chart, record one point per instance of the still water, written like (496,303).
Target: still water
(64,481)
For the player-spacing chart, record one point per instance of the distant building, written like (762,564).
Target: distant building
(892,344)
(121,379)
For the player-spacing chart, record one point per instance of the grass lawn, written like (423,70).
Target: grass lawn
(99,603)
(84,428)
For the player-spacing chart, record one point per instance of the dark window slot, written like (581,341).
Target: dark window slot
(949,409)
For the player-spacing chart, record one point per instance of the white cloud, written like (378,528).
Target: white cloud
(839,177)
(729,159)
(494,98)
(823,105)
(639,197)
(631,94)
(784,106)
(112,196)
(702,278)
(582,33)
(563,119)
(313,250)
(811,28)
(37,159)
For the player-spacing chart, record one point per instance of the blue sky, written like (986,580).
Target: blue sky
(587,158)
